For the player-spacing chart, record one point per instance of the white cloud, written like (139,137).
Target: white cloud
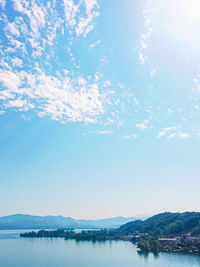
(141,126)
(18,5)
(153,72)
(13,29)
(82,24)
(196,80)
(183,135)
(20,104)
(85,23)
(170,111)
(95,44)
(70,12)
(42,86)
(10,81)
(136,101)
(167,129)
(4,64)
(60,98)
(17,62)
(130,137)
(141,57)
(90,120)
(106,83)
(172,132)
(179,134)
(172,135)
(37,20)
(104,59)
(143,44)
(62,95)
(3,3)
(161,134)
(149,12)
(104,132)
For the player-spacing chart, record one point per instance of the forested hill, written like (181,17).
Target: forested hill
(166,224)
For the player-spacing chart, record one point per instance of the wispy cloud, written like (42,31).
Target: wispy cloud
(149,12)
(183,135)
(142,125)
(172,132)
(95,44)
(26,83)
(17,62)
(100,132)
(104,132)
(70,12)
(85,24)
(60,98)
(81,24)
(167,131)
(130,137)
(3,3)
(42,72)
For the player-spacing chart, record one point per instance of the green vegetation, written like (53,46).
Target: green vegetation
(166,224)
(101,235)
(196,230)
(167,232)
(45,233)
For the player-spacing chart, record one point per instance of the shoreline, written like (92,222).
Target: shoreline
(184,244)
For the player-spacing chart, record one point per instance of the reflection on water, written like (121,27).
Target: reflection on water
(25,252)
(146,254)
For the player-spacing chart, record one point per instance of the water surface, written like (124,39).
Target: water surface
(25,252)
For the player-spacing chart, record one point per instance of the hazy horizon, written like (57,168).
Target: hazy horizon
(99,107)
(140,215)
(44,215)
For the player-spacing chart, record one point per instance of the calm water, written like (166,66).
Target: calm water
(21,252)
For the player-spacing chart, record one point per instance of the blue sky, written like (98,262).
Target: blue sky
(99,107)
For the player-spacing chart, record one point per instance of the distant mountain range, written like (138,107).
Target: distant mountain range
(21,221)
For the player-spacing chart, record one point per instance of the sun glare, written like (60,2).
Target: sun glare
(192,9)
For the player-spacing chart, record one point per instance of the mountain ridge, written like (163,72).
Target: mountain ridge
(26,221)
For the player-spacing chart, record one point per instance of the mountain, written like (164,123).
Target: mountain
(21,221)
(165,224)
(108,222)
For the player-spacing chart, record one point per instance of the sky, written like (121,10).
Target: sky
(99,107)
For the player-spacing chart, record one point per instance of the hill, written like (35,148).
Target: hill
(166,224)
